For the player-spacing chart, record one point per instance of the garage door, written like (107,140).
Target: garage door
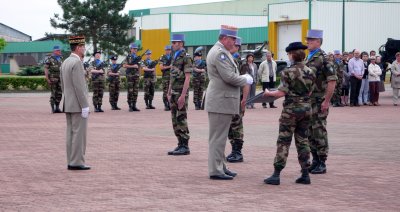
(287,33)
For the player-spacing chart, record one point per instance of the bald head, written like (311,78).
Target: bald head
(357,53)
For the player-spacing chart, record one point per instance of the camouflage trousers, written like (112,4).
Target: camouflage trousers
(235,134)
(295,118)
(133,88)
(113,88)
(318,133)
(148,85)
(55,91)
(179,118)
(338,91)
(98,91)
(165,86)
(198,88)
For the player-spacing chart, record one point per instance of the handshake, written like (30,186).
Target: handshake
(249,79)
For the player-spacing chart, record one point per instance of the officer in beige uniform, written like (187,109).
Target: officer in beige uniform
(76,106)
(222,99)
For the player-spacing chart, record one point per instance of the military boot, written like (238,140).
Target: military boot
(151,104)
(112,106)
(52,108)
(130,107)
(236,156)
(57,110)
(147,104)
(169,106)
(176,148)
(315,161)
(197,106)
(321,169)
(116,107)
(304,178)
(274,179)
(96,109)
(134,108)
(233,151)
(184,149)
(166,108)
(99,109)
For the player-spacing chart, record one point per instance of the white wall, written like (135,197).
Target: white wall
(294,11)
(196,22)
(155,22)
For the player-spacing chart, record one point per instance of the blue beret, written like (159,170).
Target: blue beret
(56,48)
(133,46)
(168,47)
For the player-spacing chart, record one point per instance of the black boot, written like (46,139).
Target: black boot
(52,108)
(112,106)
(274,179)
(304,178)
(169,106)
(233,151)
(184,149)
(57,110)
(147,103)
(116,107)
(166,108)
(236,155)
(176,148)
(134,108)
(130,107)
(315,161)
(151,104)
(197,106)
(96,109)
(99,109)
(321,169)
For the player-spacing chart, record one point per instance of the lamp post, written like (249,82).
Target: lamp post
(343,26)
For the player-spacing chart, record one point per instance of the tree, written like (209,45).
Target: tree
(99,21)
(2,44)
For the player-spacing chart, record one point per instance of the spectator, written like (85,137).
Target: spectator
(379,63)
(374,72)
(267,74)
(372,53)
(356,71)
(364,89)
(395,69)
(251,68)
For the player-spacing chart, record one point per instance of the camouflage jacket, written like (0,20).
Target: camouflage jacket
(199,64)
(53,66)
(165,61)
(132,60)
(324,71)
(180,65)
(297,81)
(339,67)
(97,66)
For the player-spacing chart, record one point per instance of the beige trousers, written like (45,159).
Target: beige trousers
(76,139)
(218,135)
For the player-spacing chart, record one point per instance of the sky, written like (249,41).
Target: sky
(32,17)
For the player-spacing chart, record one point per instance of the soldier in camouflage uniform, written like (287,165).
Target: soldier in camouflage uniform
(339,67)
(178,93)
(199,79)
(149,68)
(132,76)
(97,71)
(52,73)
(235,134)
(113,82)
(320,99)
(165,66)
(297,82)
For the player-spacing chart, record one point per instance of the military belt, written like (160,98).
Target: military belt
(297,99)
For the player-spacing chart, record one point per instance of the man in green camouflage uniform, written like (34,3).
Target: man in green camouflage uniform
(113,82)
(149,69)
(199,79)
(339,67)
(178,93)
(297,82)
(165,66)
(325,83)
(52,73)
(235,134)
(132,76)
(97,71)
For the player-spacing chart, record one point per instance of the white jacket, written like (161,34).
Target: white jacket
(263,71)
(374,71)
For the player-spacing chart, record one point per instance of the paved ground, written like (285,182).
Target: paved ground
(132,172)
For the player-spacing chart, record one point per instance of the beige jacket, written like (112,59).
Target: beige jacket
(223,91)
(395,69)
(263,71)
(73,85)
(374,71)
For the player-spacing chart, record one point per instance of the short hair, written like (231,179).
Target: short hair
(298,55)
(73,47)
(364,53)
(220,37)
(397,54)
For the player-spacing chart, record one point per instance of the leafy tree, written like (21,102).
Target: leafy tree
(2,44)
(99,21)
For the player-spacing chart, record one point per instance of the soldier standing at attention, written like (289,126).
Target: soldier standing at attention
(148,80)
(199,78)
(235,134)
(114,83)
(339,67)
(325,84)
(52,73)
(132,77)
(178,93)
(165,65)
(297,83)
(97,71)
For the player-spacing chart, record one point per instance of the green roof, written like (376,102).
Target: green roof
(34,46)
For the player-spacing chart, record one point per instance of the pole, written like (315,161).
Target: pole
(343,26)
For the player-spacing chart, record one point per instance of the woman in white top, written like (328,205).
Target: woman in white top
(374,73)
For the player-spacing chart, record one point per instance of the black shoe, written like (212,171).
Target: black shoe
(273,106)
(116,107)
(99,109)
(236,157)
(221,177)
(321,169)
(57,110)
(315,161)
(151,104)
(305,177)
(176,148)
(134,108)
(264,105)
(183,150)
(230,173)
(96,109)
(52,108)
(81,167)
(274,179)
